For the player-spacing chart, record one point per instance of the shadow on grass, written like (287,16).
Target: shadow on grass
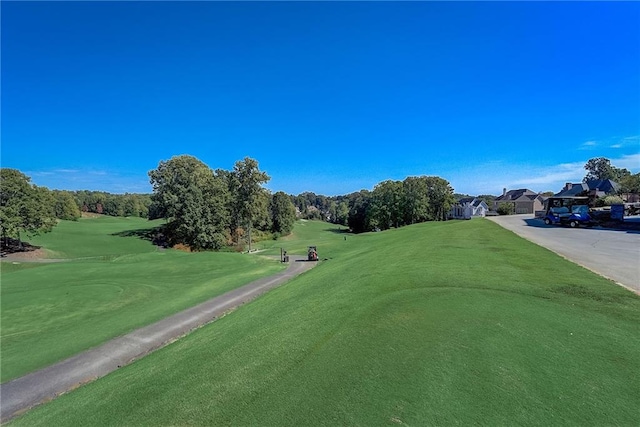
(154,235)
(11,246)
(343,230)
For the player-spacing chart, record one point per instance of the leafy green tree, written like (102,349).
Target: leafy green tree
(65,206)
(342,212)
(630,184)
(386,204)
(359,219)
(24,207)
(248,179)
(415,199)
(601,168)
(283,213)
(193,200)
(440,196)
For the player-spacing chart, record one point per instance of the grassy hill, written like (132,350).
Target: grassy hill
(112,283)
(451,323)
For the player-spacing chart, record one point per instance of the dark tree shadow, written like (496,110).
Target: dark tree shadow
(155,235)
(12,246)
(343,230)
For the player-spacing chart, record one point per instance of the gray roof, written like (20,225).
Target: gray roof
(605,185)
(516,194)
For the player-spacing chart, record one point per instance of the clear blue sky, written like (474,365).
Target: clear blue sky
(329,97)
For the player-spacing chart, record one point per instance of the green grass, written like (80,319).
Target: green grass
(452,323)
(100,236)
(53,311)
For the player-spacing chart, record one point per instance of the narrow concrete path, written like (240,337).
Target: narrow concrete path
(19,395)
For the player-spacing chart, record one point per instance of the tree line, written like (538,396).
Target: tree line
(390,204)
(31,209)
(210,209)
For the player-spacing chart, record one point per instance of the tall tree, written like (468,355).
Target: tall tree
(249,179)
(440,195)
(193,200)
(601,168)
(283,213)
(630,184)
(65,206)
(24,207)
(415,199)
(359,219)
(386,204)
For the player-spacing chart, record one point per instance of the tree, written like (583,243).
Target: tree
(65,206)
(193,200)
(283,213)
(342,212)
(24,207)
(359,219)
(601,168)
(440,196)
(630,184)
(248,179)
(415,199)
(386,204)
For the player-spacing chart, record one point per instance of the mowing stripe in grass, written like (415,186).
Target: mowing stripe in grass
(455,323)
(30,390)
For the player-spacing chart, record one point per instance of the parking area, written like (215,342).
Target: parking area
(612,253)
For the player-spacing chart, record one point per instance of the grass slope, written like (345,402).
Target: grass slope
(450,323)
(53,311)
(99,237)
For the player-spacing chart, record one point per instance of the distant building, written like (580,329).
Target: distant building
(525,201)
(593,188)
(469,207)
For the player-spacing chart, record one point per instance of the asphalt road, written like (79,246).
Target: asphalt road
(614,254)
(21,394)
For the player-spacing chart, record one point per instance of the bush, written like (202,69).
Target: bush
(613,200)
(506,209)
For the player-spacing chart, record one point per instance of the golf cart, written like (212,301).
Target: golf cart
(571,211)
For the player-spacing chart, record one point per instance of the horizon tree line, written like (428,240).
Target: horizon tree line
(208,209)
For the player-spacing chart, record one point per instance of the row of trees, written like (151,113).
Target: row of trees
(390,204)
(113,204)
(31,209)
(207,209)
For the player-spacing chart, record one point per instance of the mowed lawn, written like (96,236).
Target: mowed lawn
(110,286)
(454,323)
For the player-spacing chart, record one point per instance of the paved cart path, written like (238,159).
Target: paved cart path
(21,394)
(614,254)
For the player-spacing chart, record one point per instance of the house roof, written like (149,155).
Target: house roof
(513,195)
(605,185)
(473,201)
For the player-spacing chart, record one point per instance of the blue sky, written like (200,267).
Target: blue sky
(329,97)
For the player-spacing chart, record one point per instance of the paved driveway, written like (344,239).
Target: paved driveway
(614,254)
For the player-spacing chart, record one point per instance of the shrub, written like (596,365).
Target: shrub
(506,209)
(613,200)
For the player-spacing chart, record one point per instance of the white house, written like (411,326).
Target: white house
(468,208)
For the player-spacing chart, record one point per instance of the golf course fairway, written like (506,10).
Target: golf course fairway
(447,323)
